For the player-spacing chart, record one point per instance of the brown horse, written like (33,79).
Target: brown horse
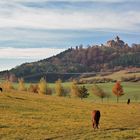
(1,89)
(95,118)
(128,101)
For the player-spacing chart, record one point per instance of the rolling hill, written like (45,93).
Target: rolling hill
(113,56)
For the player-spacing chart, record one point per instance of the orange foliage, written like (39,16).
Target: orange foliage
(117,90)
(33,88)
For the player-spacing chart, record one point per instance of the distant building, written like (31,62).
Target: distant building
(115,43)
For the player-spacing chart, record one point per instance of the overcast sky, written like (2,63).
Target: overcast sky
(31,30)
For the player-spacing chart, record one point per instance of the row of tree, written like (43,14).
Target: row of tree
(43,88)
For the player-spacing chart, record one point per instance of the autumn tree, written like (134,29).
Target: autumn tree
(83,92)
(12,78)
(74,89)
(7,85)
(21,86)
(99,92)
(10,85)
(59,90)
(33,88)
(43,87)
(118,90)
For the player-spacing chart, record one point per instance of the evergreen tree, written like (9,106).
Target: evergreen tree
(83,92)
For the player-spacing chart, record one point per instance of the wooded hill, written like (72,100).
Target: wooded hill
(112,56)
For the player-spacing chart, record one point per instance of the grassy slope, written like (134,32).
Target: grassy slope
(115,75)
(34,117)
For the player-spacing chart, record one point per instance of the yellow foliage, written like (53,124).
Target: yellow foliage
(21,85)
(58,88)
(33,88)
(42,86)
(7,85)
(99,92)
(74,89)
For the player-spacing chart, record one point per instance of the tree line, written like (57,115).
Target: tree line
(43,88)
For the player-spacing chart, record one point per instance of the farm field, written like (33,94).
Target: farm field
(115,75)
(36,117)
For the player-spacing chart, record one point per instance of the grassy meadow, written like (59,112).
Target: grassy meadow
(29,116)
(131,90)
(115,75)
(35,117)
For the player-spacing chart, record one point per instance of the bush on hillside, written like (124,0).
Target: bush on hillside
(96,80)
(133,78)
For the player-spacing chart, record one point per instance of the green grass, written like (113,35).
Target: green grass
(34,117)
(131,90)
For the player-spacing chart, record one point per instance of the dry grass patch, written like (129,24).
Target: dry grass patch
(26,116)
